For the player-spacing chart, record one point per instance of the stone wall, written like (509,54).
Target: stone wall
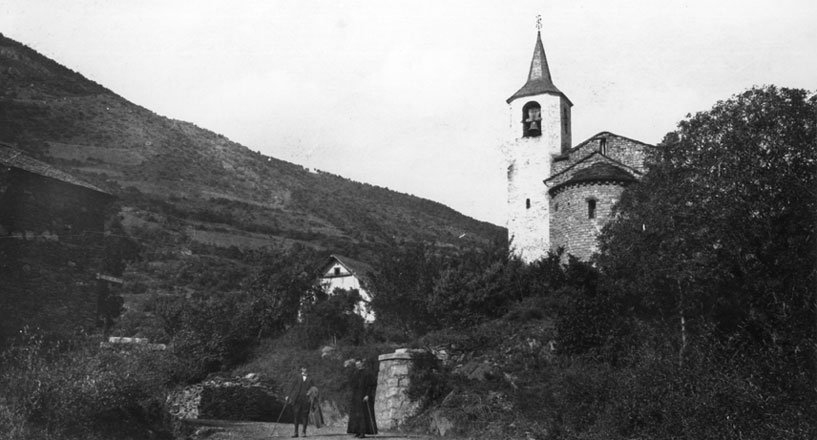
(238,398)
(619,148)
(570,226)
(391,404)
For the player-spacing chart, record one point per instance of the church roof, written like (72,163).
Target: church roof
(598,172)
(539,80)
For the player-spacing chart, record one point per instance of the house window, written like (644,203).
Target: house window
(337,271)
(603,146)
(591,208)
(531,119)
(556,208)
(527,203)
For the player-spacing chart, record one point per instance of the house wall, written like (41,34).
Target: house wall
(343,279)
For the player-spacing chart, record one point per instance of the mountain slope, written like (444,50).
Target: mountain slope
(199,185)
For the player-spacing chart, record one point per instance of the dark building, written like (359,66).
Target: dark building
(52,247)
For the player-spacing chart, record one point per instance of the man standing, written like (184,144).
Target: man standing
(299,400)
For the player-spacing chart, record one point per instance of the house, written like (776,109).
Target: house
(559,195)
(52,241)
(339,272)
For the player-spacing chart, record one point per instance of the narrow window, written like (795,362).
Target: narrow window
(591,208)
(556,208)
(531,119)
(603,146)
(566,120)
(337,271)
(527,203)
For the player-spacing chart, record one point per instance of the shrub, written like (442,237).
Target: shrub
(429,380)
(76,389)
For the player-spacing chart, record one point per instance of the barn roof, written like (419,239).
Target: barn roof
(12,158)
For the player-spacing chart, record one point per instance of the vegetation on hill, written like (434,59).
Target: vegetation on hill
(186,193)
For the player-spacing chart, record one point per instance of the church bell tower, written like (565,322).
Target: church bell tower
(540,130)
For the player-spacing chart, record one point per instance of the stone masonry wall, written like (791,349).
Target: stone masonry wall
(570,226)
(392,405)
(620,149)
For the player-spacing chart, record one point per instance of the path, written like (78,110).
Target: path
(236,430)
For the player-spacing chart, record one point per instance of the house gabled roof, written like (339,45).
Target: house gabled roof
(539,80)
(10,157)
(357,268)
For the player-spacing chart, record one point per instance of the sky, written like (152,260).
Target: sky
(410,95)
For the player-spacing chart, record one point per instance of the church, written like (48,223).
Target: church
(560,195)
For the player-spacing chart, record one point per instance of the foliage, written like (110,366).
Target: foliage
(722,228)
(74,389)
(711,266)
(331,318)
(401,288)
(417,290)
(429,379)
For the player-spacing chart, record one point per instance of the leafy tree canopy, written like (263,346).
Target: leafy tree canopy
(721,230)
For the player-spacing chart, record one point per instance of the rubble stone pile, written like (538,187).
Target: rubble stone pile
(235,398)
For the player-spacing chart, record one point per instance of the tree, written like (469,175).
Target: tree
(331,317)
(722,228)
(715,249)
(401,288)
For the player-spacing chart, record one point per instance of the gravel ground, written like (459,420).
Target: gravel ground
(232,430)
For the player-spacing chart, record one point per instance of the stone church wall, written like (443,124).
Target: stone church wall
(620,149)
(570,226)
(628,152)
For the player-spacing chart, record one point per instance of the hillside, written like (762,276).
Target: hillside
(191,187)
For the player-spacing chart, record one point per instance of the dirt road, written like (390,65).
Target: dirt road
(231,430)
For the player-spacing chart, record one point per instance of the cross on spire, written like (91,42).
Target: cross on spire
(539,22)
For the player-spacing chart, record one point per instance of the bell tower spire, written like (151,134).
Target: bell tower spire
(544,114)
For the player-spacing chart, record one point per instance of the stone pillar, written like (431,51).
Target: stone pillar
(391,404)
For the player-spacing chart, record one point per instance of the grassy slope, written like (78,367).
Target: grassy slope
(187,192)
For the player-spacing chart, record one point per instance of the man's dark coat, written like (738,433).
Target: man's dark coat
(299,400)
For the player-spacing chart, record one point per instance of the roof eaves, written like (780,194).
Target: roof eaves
(585,158)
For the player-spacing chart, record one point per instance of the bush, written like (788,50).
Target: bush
(76,389)
(428,379)
(331,318)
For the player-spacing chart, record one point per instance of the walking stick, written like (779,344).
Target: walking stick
(279,417)
(371,419)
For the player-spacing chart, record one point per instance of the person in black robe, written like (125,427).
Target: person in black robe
(361,405)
